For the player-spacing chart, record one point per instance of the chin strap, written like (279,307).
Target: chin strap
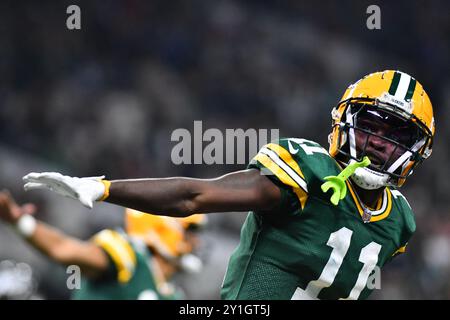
(337,183)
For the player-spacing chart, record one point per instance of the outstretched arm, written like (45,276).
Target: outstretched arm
(67,250)
(53,243)
(238,191)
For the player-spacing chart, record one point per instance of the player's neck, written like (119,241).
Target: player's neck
(369,197)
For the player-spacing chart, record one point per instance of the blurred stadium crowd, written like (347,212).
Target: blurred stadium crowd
(105,99)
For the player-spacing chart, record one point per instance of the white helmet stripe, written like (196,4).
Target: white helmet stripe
(402,88)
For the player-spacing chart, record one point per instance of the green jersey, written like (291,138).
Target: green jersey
(307,248)
(130,275)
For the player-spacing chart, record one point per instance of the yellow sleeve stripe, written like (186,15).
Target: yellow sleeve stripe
(302,196)
(276,170)
(286,157)
(120,251)
(289,166)
(267,162)
(400,250)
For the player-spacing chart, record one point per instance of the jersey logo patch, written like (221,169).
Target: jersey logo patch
(292,150)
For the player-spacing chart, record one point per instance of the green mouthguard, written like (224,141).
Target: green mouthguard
(337,183)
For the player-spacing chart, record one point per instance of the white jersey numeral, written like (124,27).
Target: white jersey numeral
(368,256)
(340,242)
(309,150)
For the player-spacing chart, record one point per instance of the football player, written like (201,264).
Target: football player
(301,241)
(135,263)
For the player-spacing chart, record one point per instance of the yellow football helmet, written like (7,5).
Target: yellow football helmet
(390,96)
(165,235)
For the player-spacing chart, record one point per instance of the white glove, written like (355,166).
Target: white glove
(86,190)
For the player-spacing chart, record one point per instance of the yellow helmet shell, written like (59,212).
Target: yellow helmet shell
(164,234)
(397,87)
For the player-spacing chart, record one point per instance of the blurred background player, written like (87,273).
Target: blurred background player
(135,263)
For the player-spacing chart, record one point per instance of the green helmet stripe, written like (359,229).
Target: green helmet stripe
(411,88)
(394,83)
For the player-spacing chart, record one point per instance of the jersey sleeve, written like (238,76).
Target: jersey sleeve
(276,162)
(400,250)
(409,223)
(120,253)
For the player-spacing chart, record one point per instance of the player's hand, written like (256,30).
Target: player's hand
(86,190)
(10,211)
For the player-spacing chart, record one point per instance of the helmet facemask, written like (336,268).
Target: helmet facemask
(394,141)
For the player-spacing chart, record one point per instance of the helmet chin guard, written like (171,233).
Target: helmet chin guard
(369,179)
